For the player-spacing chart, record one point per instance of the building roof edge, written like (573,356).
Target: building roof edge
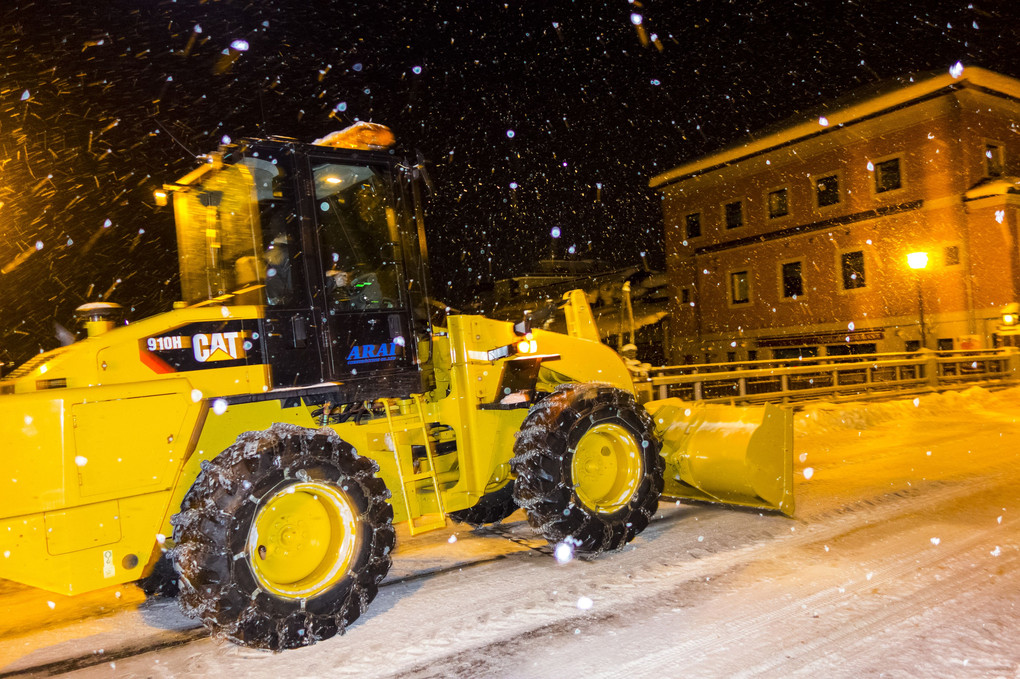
(839,116)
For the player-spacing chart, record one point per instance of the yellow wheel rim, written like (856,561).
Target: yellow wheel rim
(303,540)
(607,467)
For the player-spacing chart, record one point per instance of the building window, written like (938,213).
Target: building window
(693,225)
(739,288)
(795,353)
(911,346)
(752,354)
(850,349)
(793,284)
(731,357)
(951,255)
(827,190)
(734,214)
(853,270)
(945,344)
(887,175)
(685,296)
(993,159)
(779,205)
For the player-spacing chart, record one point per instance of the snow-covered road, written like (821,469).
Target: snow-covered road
(902,561)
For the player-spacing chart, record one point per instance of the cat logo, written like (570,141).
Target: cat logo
(217,346)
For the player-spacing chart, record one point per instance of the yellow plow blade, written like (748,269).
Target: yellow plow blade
(720,453)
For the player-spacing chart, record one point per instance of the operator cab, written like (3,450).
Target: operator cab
(324,240)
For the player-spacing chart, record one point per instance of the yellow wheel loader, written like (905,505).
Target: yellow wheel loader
(263,437)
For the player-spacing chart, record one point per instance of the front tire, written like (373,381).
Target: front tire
(283,538)
(588,467)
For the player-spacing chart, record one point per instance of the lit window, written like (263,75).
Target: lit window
(779,206)
(827,190)
(734,214)
(739,288)
(793,284)
(887,175)
(993,160)
(853,270)
(952,255)
(693,225)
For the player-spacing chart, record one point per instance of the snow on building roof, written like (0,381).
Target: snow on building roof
(867,102)
(993,186)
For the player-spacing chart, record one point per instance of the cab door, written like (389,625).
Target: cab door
(292,326)
(362,280)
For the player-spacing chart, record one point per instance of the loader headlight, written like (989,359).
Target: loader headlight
(527,346)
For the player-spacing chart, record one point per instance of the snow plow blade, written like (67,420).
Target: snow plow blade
(720,453)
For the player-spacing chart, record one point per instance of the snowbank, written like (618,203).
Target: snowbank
(820,418)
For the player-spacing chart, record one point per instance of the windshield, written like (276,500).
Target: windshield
(237,234)
(356,225)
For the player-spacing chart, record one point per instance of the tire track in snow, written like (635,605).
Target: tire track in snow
(741,632)
(656,582)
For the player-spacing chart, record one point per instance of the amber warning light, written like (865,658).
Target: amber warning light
(361,135)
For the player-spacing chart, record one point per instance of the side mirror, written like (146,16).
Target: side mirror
(523,327)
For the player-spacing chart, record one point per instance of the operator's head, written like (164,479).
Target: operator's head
(277,252)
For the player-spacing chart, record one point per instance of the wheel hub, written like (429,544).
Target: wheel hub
(303,540)
(607,467)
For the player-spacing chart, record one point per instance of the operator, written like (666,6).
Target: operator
(279,288)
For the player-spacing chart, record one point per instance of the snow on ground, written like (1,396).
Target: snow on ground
(818,418)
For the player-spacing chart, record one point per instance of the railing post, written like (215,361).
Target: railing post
(697,390)
(1012,355)
(931,367)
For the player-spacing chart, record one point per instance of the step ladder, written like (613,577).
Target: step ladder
(424,522)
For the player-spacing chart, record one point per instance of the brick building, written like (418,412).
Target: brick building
(795,243)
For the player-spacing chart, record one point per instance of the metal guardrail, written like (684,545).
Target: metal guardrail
(833,377)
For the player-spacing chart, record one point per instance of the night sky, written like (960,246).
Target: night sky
(532,115)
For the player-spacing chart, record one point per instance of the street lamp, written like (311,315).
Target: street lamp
(919,261)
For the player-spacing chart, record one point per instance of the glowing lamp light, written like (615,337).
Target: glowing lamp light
(239,45)
(917,260)
(527,346)
(1008,319)
(555,233)
(160,197)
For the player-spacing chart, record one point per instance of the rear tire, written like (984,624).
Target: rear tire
(491,508)
(283,539)
(588,467)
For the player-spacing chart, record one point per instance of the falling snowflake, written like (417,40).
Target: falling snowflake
(563,553)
